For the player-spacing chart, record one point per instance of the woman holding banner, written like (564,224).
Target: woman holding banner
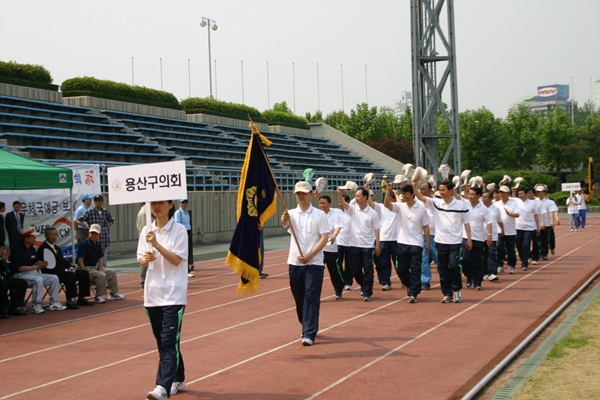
(165,292)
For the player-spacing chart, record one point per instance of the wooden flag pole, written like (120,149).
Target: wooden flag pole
(253,126)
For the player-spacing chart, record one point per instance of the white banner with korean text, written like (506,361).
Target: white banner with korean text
(147,182)
(52,207)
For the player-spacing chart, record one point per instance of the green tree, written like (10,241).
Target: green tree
(521,144)
(282,107)
(481,136)
(556,135)
(318,117)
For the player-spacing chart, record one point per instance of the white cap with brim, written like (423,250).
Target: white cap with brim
(27,231)
(368,178)
(400,179)
(504,189)
(349,186)
(303,187)
(320,184)
(96,228)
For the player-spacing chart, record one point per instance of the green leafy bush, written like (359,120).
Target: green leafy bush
(88,86)
(196,105)
(26,75)
(285,119)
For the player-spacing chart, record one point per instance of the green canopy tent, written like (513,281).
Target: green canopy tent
(21,173)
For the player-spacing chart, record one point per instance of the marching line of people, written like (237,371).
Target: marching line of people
(470,229)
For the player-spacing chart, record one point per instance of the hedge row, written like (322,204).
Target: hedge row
(77,93)
(118,91)
(27,72)
(221,108)
(286,119)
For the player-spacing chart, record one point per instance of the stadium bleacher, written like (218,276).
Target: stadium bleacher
(214,154)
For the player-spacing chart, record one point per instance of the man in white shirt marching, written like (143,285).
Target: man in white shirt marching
(427,191)
(547,241)
(581,209)
(413,224)
(527,225)
(506,242)
(306,264)
(490,255)
(472,261)
(450,216)
(330,251)
(365,233)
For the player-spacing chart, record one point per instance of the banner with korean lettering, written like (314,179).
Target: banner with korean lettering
(52,207)
(147,182)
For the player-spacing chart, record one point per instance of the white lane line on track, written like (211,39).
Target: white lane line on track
(129,308)
(296,341)
(390,352)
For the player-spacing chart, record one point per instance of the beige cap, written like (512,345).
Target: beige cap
(303,186)
(504,189)
(350,186)
(96,228)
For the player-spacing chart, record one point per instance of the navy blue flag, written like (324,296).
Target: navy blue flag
(255,205)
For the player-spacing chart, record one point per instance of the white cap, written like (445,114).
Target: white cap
(320,184)
(350,186)
(407,169)
(420,174)
(368,178)
(303,186)
(400,179)
(504,189)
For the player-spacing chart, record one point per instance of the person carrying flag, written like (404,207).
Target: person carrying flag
(309,227)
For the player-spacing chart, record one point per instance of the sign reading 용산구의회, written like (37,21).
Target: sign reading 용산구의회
(147,182)
(568,187)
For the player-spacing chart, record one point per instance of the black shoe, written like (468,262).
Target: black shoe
(82,301)
(72,305)
(17,311)
(262,276)
(426,286)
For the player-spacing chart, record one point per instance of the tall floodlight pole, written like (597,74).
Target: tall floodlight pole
(433,44)
(211,24)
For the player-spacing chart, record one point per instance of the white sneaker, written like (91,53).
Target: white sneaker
(307,342)
(56,306)
(534,262)
(158,393)
(492,277)
(116,296)
(38,309)
(486,277)
(99,299)
(500,270)
(176,387)
(511,270)
(191,274)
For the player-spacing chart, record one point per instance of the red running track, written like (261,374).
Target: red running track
(249,348)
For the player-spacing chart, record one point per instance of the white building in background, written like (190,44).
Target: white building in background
(549,95)
(402,104)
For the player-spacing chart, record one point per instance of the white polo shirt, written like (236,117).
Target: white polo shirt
(389,223)
(344,237)
(449,219)
(581,200)
(510,223)
(364,224)
(333,219)
(496,218)
(527,210)
(549,207)
(166,284)
(309,225)
(411,221)
(480,219)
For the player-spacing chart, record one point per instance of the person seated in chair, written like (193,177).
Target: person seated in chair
(17,288)
(90,258)
(25,265)
(66,273)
